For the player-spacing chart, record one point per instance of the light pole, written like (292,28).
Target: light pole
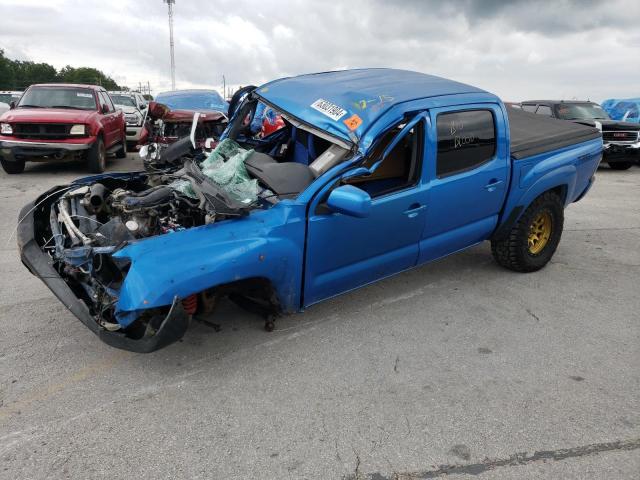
(170,4)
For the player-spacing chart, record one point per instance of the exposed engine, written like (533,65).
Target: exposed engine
(108,217)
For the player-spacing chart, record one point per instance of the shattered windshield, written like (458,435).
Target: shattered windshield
(581,111)
(59,97)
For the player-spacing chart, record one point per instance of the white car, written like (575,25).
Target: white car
(134,107)
(4,107)
(8,96)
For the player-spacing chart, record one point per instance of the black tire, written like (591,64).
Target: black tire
(620,165)
(515,251)
(12,167)
(122,152)
(97,157)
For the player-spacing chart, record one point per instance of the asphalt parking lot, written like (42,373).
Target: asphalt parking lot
(458,367)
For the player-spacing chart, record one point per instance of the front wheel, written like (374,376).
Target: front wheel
(122,152)
(534,238)
(97,157)
(620,165)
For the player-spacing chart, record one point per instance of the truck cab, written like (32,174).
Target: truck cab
(59,121)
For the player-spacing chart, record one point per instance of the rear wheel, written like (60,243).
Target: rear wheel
(620,165)
(97,157)
(12,167)
(534,238)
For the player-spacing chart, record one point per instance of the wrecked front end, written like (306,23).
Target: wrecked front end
(163,126)
(75,238)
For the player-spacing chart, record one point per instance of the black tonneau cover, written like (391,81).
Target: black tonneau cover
(532,134)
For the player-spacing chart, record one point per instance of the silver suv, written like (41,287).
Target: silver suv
(134,106)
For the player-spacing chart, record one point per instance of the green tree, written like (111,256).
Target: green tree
(18,75)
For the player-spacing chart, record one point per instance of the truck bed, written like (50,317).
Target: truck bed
(532,134)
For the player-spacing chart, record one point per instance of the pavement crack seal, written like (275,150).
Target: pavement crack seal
(517,459)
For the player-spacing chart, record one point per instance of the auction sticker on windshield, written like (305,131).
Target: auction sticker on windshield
(329,109)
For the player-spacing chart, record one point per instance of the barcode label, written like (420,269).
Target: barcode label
(329,109)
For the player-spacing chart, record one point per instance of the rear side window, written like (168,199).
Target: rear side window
(465,141)
(544,110)
(529,108)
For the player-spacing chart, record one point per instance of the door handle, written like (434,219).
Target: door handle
(413,210)
(493,184)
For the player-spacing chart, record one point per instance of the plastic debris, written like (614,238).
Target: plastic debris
(225,167)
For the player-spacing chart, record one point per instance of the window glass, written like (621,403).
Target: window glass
(544,110)
(58,97)
(105,100)
(581,111)
(529,108)
(465,141)
(401,168)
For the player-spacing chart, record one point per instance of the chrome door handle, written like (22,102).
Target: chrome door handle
(492,185)
(413,210)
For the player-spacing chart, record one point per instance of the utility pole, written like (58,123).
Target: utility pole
(170,4)
(224,88)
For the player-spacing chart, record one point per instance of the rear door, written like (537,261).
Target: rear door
(468,170)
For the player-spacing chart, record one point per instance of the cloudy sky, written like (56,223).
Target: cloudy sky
(518,50)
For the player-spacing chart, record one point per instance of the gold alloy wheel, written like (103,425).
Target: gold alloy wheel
(539,232)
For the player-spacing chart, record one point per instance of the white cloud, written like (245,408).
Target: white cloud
(519,49)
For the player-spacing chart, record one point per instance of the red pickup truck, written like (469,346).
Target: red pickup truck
(55,121)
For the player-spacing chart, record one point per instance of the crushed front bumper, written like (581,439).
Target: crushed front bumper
(171,329)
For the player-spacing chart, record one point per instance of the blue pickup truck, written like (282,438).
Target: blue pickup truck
(373,172)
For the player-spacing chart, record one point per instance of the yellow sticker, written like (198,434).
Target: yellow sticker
(353,122)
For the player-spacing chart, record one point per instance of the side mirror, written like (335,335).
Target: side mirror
(104,109)
(350,200)
(12,105)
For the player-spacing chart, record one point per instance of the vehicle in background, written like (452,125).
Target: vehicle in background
(194,100)
(173,113)
(163,127)
(625,110)
(134,106)
(4,107)
(621,139)
(8,96)
(58,121)
(376,171)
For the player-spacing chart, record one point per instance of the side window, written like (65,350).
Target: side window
(544,110)
(465,141)
(402,167)
(106,100)
(529,108)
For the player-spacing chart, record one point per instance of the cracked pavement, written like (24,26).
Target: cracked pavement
(457,368)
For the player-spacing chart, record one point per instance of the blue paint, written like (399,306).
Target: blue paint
(331,240)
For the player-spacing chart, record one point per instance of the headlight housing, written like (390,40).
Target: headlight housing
(5,129)
(78,130)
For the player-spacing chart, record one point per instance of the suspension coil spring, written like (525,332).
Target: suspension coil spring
(190,304)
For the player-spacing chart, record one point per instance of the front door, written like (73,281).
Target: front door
(345,252)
